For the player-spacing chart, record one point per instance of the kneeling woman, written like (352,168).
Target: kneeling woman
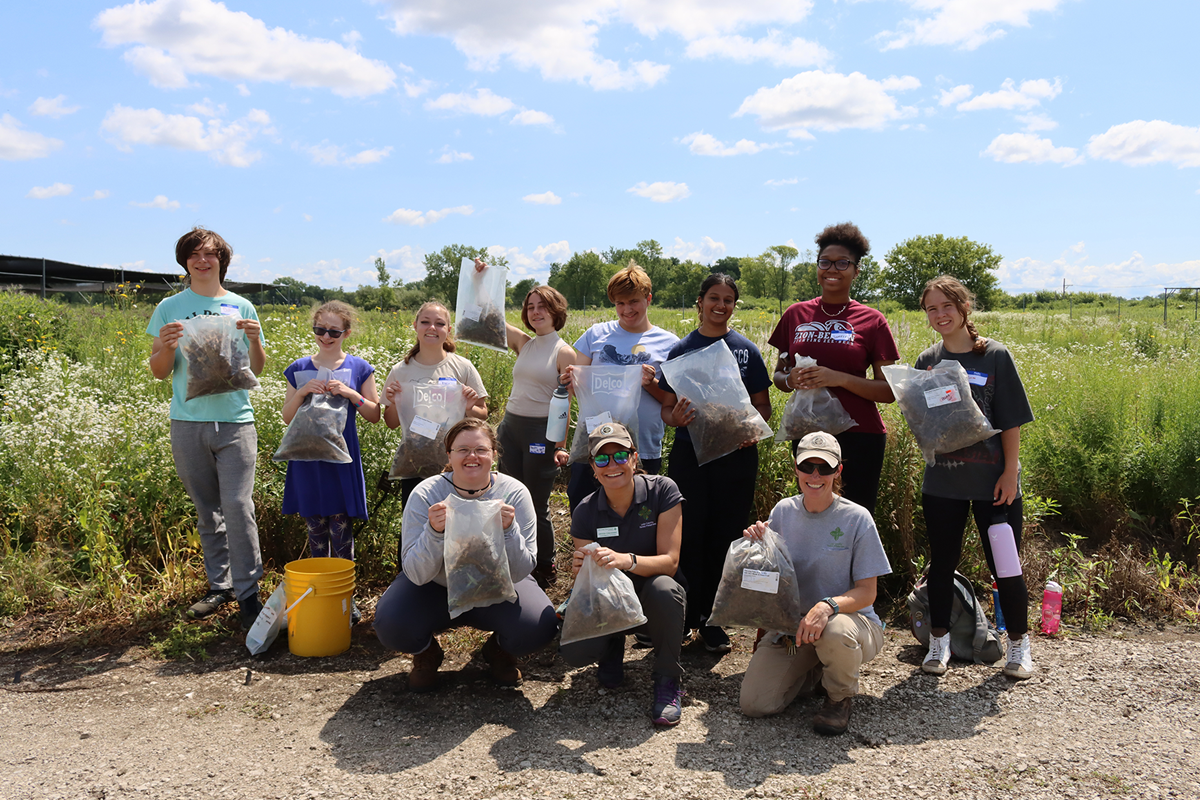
(637,520)
(838,558)
(414,608)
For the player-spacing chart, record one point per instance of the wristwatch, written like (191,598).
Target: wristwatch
(632,566)
(832,604)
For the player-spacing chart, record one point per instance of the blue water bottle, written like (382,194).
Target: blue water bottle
(996,606)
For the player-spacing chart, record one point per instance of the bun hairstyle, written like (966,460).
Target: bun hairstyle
(449,346)
(962,298)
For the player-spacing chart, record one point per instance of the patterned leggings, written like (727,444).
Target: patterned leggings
(330,537)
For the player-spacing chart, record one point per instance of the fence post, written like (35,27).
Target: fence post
(43,277)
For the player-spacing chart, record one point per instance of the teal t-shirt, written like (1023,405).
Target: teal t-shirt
(228,407)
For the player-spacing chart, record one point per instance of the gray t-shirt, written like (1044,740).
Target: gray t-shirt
(830,550)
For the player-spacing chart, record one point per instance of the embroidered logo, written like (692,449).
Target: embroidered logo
(644,512)
(836,533)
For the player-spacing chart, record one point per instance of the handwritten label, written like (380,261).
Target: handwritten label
(537,449)
(447,380)
(230,310)
(424,427)
(471,311)
(757,580)
(597,421)
(607,533)
(842,336)
(941,396)
(977,378)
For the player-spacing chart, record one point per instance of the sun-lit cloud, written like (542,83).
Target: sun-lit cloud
(228,143)
(1140,143)
(332,155)
(660,191)
(703,144)
(828,101)
(522,265)
(949,97)
(543,199)
(406,263)
(772,48)
(99,194)
(419,219)
(483,102)
(965,24)
(708,251)
(1028,95)
(530,117)
(452,156)
(1029,148)
(1131,277)
(1036,122)
(159,201)
(52,107)
(53,190)
(18,144)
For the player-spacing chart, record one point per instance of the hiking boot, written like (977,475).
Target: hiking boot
(642,641)
(423,675)
(208,604)
(834,718)
(610,669)
(248,610)
(939,655)
(668,701)
(546,575)
(503,665)
(1020,661)
(715,639)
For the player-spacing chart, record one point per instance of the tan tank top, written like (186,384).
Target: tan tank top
(535,375)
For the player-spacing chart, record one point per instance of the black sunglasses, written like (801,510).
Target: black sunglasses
(333,332)
(621,457)
(808,468)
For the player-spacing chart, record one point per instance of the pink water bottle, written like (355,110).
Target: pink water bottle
(1051,608)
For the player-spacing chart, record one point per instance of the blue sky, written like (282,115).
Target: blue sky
(314,137)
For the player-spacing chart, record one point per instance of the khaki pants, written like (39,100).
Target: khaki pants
(774,677)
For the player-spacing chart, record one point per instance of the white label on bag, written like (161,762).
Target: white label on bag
(596,421)
(756,580)
(941,396)
(977,378)
(471,311)
(607,533)
(230,310)
(424,427)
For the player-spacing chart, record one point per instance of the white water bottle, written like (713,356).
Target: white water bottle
(560,415)
(1004,548)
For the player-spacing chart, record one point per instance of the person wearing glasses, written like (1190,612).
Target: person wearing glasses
(637,519)
(845,337)
(838,557)
(414,608)
(325,494)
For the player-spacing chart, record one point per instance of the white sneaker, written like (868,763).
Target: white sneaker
(1019,664)
(939,655)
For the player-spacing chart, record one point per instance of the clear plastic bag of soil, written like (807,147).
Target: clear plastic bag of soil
(479,310)
(711,381)
(316,431)
(811,410)
(428,409)
(938,407)
(603,601)
(605,394)
(477,573)
(218,360)
(758,587)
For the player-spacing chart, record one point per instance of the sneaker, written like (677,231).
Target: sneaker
(546,575)
(503,665)
(248,610)
(610,670)
(210,603)
(1020,661)
(423,675)
(834,718)
(642,641)
(939,655)
(715,639)
(668,701)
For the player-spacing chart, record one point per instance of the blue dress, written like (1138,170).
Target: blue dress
(321,488)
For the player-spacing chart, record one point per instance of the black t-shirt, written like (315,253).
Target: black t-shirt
(637,531)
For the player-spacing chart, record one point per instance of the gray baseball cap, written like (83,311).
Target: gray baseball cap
(819,445)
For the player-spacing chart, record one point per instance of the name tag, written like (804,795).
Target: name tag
(424,427)
(447,380)
(941,396)
(470,311)
(756,580)
(977,378)
(596,421)
(842,336)
(537,449)
(230,310)
(607,533)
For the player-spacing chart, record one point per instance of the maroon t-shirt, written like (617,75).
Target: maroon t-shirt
(850,341)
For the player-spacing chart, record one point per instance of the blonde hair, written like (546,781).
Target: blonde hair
(632,280)
(961,296)
(449,346)
(338,309)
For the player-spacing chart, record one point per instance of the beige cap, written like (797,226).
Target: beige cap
(819,445)
(608,432)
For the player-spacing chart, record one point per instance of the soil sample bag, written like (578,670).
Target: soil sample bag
(218,359)
(758,587)
(938,407)
(428,409)
(603,601)
(605,394)
(811,410)
(479,310)
(315,432)
(712,382)
(477,572)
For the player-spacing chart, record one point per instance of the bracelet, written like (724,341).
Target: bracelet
(362,401)
(832,604)
(561,450)
(632,566)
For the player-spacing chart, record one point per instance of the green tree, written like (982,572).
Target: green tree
(730,265)
(582,279)
(684,286)
(518,292)
(865,288)
(778,259)
(756,278)
(915,261)
(648,254)
(382,272)
(442,267)
(805,285)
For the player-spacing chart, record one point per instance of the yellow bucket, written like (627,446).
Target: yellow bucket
(319,592)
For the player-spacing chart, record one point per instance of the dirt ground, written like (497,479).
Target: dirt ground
(1104,716)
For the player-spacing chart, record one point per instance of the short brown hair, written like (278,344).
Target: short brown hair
(197,238)
(472,424)
(338,309)
(630,280)
(556,304)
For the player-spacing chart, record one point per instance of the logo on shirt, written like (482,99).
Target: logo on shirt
(644,512)
(834,331)
(640,355)
(837,533)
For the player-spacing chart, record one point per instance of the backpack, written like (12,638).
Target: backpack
(971,637)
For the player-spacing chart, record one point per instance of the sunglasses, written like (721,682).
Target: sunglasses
(331,332)
(621,457)
(808,468)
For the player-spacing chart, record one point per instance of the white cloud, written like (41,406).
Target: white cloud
(1029,148)
(159,201)
(207,108)
(405,263)
(543,199)
(18,144)
(530,117)
(330,155)
(949,97)
(483,103)
(52,107)
(772,48)
(555,251)
(99,194)
(1029,95)
(53,190)
(965,24)
(407,216)
(660,191)
(265,260)
(417,88)
(828,101)
(243,90)
(537,266)
(227,143)
(1140,143)
(1036,122)
(706,252)
(178,38)
(1133,277)
(781,181)
(703,144)
(450,156)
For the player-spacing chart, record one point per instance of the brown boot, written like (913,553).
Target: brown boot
(834,718)
(423,675)
(503,666)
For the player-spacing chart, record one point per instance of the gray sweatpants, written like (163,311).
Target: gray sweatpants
(215,462)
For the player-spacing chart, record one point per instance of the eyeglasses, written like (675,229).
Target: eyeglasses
(332,332)
(621,457)
(841,265)
(478,452)
(808,468)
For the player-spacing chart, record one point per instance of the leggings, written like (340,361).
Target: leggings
(536,470)
(330,536)
(862,461)
(945,522)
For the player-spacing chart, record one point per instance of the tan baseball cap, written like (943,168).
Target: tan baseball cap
(819,445)
(608,432)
